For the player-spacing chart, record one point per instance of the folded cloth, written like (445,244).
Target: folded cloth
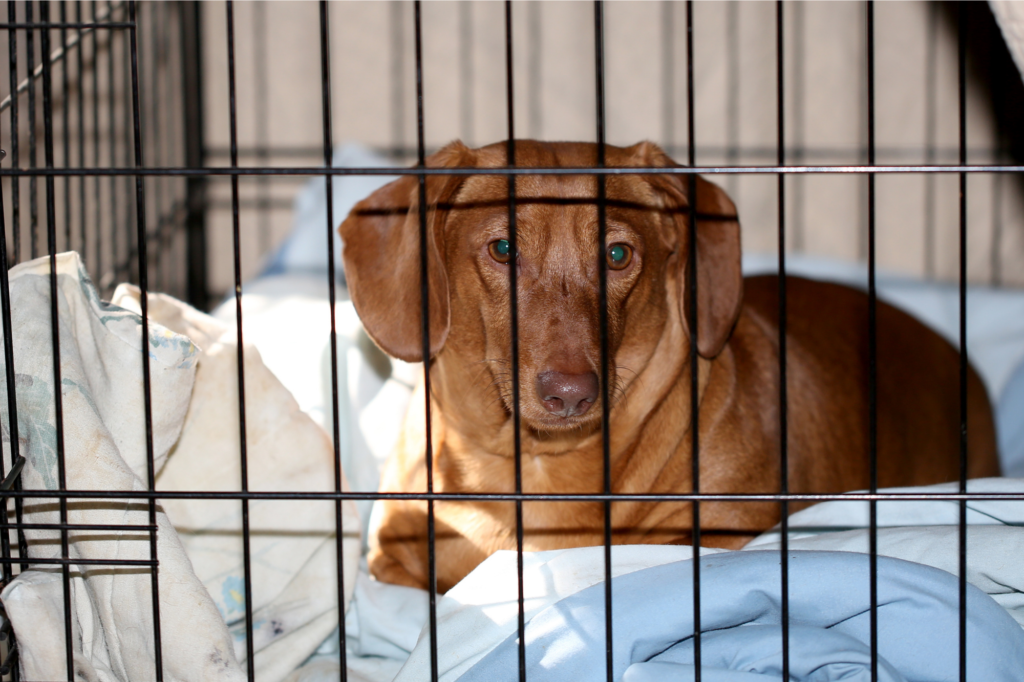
(293,550)
(479,612)
(992,551)
(104,448)
(830,631)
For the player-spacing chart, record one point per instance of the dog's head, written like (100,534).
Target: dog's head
(469,256)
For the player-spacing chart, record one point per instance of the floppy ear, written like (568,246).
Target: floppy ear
(719,271)
(381,253)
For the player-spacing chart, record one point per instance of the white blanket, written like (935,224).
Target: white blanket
(104,448)
(294,572)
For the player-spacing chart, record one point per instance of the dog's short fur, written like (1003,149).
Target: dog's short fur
(918,416)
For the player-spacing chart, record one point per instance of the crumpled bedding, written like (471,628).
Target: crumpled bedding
(480,613)
(196,443)
(829,593)
(104,448)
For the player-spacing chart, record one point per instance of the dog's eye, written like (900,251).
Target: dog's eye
(619,256)
(500,250)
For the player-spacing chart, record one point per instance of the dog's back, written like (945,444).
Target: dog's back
(917,398)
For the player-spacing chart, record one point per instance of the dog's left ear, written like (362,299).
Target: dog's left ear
(719,270)
(381,252)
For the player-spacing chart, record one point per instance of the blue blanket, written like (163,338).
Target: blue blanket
(829,599)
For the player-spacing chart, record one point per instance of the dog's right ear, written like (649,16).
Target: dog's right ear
(719,273)
(381,253)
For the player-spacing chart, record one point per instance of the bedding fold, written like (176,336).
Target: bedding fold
(295,578)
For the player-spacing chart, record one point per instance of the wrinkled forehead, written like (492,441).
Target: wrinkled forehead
(569,196)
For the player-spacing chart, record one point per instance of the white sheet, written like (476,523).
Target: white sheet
(196,447)
(104,449)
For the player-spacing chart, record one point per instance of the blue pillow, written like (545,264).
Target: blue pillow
(1010,425)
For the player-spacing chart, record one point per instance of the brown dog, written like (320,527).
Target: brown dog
(649,373)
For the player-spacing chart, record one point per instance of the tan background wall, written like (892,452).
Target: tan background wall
(372,62)
(735,120)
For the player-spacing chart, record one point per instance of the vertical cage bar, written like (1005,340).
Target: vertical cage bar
(5,537)
(328,137)
(97,185)
(51,234)
(513,283)
(237,254)
(130,240)
(872,347)
(80,102)
(12,51)
(12,420)
(421,162)
(602,305)
(190,18)
(691,289)
(66,119)
(780,101)
(961,27)
(116,265)
(33,198)
(156,18)
(140,207)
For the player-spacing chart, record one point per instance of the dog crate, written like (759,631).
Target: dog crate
(166,143)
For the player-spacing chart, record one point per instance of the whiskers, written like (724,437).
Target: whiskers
(501,373)
(617,391)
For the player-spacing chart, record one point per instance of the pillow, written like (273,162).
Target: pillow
(305,248)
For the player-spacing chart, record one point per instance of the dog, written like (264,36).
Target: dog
(649,318)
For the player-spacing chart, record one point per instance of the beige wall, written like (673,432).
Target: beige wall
(373,88)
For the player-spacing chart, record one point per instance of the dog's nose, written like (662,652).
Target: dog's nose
(567,395)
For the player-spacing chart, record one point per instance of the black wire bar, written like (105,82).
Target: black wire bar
(602,310)
(780,101)
(12,57)
(872,351)
(315,171)
(140,207)
(12,479)
(325,82)
(33,208)
(509,497)
(51,234)
(236,247)
(513,284)
(421,158)
(962,132)
(691,294)
(65,112)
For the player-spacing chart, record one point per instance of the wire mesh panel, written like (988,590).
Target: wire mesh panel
(165,143)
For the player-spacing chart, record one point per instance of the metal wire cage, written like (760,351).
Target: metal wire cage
(123,173)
